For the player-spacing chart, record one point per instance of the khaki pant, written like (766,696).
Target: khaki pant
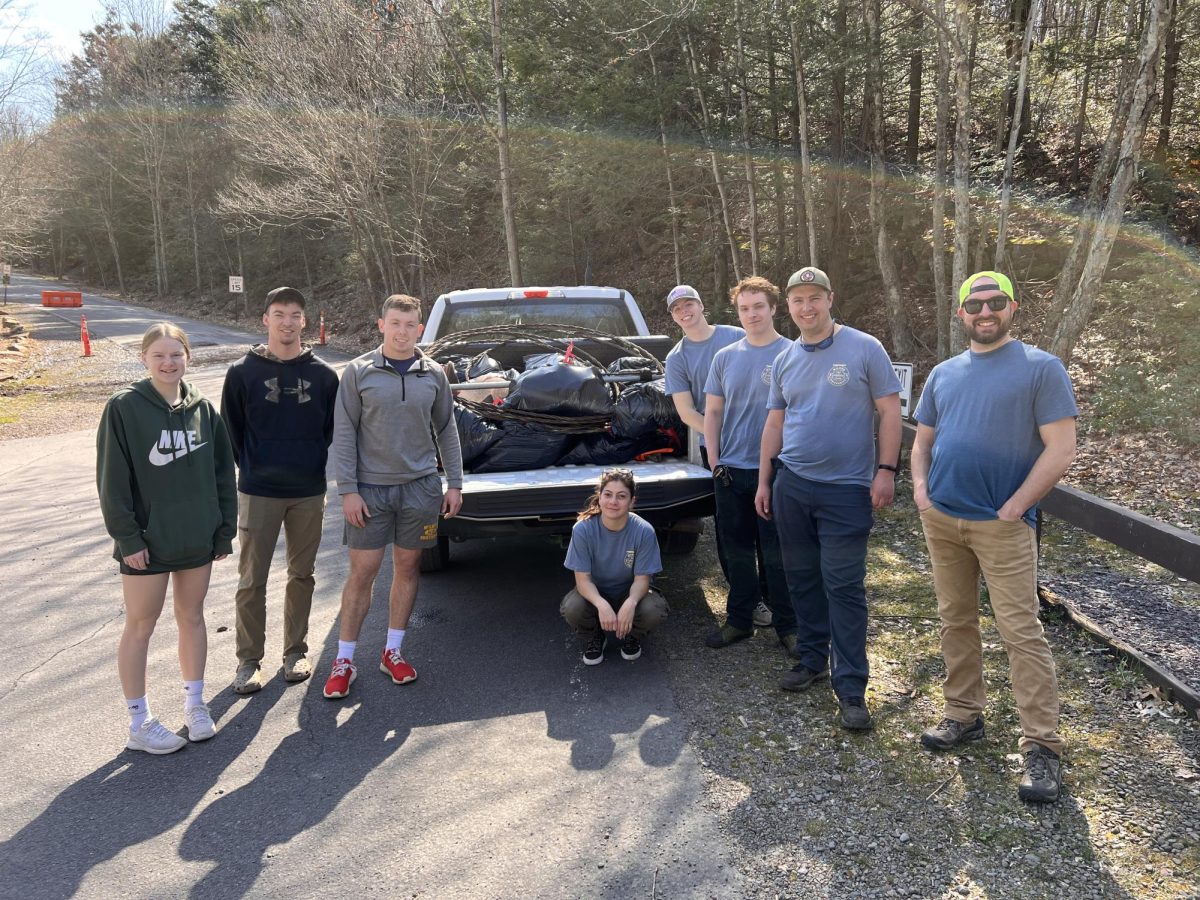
(259,521)
(583,617)
(1006,554)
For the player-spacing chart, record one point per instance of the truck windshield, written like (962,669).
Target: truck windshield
(601,314)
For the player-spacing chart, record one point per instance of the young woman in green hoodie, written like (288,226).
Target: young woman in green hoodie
(165,474)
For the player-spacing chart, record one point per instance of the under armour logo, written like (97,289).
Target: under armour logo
(301,390)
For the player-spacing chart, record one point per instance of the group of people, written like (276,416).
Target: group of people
(789,434)
(803,438)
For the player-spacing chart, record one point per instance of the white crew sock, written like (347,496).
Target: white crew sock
(394,639)
(139,712)
(346,650)
(193,694)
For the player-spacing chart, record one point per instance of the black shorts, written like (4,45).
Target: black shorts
(126,570)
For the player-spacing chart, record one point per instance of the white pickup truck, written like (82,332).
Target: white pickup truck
(675,494)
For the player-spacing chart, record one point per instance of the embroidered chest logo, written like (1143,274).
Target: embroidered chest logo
(839,375)
(301,390)
(173,445)
(766,373)
(630,556)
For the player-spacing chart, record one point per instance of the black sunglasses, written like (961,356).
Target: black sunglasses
(995,304)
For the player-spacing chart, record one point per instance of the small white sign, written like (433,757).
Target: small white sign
(904,371)
(8,268)
(235,284)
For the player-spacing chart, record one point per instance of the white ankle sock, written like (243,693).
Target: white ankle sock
(346,650)
(139,712)
(193,694)
(394,639)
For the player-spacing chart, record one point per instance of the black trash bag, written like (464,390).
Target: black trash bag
(482,365)
(624,364)
(523,446)
(459,366)
(475,434)
(606,450)
(561,390)
(537,360)
(644,408)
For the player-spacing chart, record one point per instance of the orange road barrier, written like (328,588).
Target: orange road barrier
(83,336)
(62,298)
(321,333)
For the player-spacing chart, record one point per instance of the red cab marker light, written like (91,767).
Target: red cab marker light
(537,294)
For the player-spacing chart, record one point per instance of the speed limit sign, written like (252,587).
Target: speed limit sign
(235,284)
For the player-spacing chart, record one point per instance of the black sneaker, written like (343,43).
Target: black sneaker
(593,649)
(726,635)
(788,642)
(854,714)
(631,648)
(949,733)
(800,678)
(1042,778)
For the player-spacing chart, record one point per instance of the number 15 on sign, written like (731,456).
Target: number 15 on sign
(235,284)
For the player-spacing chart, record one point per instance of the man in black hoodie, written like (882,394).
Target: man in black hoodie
(278,408)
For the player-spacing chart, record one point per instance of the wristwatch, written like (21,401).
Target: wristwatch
(893,469)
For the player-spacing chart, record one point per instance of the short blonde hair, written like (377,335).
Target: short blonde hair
(161,330)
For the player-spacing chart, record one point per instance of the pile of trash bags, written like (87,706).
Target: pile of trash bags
(642,416)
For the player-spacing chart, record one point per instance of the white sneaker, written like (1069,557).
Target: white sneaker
(762,615)
(153,737)
(199,723)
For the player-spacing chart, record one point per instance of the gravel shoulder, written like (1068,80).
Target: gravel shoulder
(814,812)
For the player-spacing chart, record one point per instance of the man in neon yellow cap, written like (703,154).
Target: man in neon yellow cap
(995,431)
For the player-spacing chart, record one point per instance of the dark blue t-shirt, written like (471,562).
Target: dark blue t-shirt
(985,409)
(613,558)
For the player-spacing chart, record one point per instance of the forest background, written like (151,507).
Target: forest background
(354,148)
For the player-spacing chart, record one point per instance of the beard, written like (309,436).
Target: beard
(997,334)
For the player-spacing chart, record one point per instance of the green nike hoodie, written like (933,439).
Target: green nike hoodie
(166,477)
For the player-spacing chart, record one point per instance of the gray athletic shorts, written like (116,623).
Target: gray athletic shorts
(402,514)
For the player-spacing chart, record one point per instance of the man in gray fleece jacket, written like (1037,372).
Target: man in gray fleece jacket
(392,405)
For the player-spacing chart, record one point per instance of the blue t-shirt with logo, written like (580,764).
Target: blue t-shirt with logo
(689,361)
(986,409)
(613,558)
(741,375)
(828,398)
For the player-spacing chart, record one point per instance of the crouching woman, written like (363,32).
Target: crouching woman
(614,554)
(164,470)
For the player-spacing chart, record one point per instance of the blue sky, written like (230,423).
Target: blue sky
(62,21)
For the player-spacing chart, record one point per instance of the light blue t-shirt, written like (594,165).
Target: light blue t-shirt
(688,363)
(613,558)
(985,409)
(828,397)
(741,374)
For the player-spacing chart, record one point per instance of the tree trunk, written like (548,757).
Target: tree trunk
(672,203)
(962,161)
(943,304)
(1013,135)
(1170,79)
(1088,59)
(805,165)
(916,64)
(902,342)
(747,159)
(1143,82)
(718,178)
(839,219)
(506,196)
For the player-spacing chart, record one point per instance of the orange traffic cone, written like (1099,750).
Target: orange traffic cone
(321,332)
(83,336)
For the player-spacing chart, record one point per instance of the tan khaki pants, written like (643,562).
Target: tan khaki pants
(1006,554)
(651,611)
(259,521)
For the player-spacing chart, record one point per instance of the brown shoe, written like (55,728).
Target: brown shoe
(296,667)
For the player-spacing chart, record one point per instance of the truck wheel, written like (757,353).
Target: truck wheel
(677,543)
(436,557)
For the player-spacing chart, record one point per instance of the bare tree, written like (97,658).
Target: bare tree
(810,209)
(1013,135)
(747,158)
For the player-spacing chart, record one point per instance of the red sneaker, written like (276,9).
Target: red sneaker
(394,664)
(340,679)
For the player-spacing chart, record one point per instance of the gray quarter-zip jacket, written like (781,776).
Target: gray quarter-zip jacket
(385,424)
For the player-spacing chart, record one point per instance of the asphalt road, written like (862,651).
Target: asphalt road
(508,769)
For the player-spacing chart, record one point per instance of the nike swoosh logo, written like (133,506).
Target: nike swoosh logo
(158,458)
